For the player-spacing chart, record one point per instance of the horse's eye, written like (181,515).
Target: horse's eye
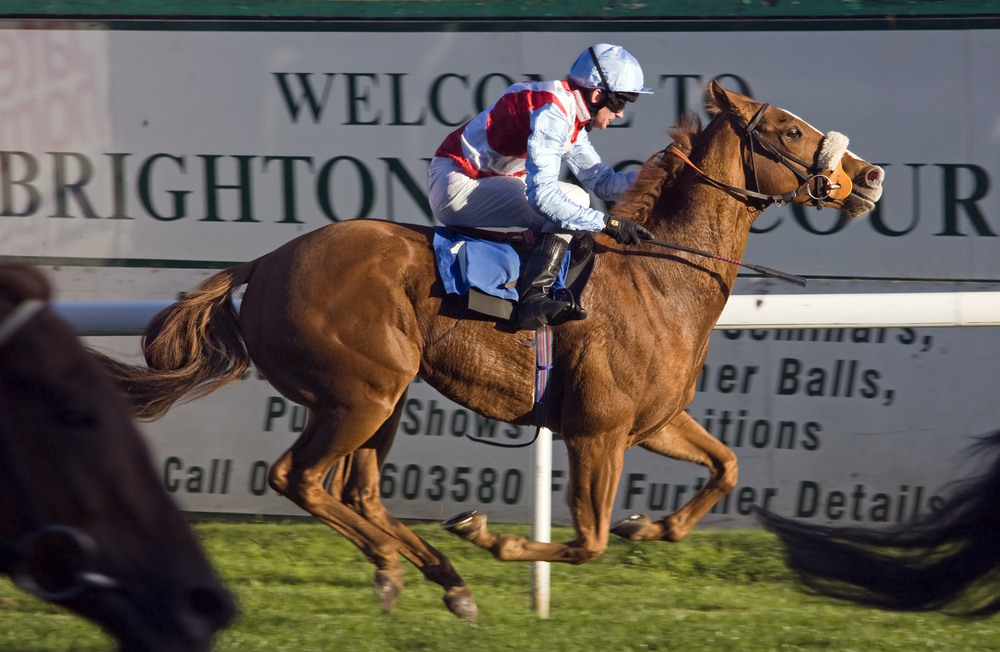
(793,134)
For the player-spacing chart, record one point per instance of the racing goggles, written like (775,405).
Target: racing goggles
(615,102)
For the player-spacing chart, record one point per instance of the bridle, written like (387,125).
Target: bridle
(813,182)
(40,540)
(818,186)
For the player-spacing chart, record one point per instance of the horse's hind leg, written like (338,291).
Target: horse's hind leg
(684,439)
(356,483)
(332,435)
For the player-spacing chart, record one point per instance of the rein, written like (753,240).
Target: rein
(766,271)
(20,557)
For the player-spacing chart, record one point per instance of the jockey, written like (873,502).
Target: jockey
(502,169)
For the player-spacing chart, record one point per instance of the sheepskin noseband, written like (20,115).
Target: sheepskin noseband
(829,163)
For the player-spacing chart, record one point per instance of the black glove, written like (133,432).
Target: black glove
(625,231)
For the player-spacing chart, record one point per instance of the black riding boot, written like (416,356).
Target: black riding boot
(536,307)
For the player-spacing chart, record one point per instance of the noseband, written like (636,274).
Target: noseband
(40,541)
(818,186)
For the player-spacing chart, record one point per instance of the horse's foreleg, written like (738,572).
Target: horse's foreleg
(357,484)
(684,439)
(594,471)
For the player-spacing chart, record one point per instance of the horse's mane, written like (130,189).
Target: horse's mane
(659,172)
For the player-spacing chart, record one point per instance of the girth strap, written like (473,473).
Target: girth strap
(543,368)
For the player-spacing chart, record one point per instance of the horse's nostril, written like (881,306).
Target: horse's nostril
(875,176)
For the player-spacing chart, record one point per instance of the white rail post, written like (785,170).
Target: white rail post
(541,529)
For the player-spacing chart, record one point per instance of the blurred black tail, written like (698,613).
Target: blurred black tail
(947,561)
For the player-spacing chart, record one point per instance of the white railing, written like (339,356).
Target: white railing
(743,311)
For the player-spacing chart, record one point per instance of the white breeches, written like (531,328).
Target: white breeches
(491,202)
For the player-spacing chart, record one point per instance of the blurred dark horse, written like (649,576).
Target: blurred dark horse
(84,519)
(948,560)
(342,319)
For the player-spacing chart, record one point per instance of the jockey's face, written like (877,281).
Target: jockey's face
(604,115)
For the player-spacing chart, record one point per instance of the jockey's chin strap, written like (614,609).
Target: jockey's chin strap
(818,186)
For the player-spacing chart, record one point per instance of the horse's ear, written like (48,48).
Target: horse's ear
(731,102)
(19,281)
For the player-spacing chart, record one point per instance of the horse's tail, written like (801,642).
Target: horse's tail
(192,348)
(947,561)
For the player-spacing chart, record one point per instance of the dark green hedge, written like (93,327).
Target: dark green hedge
(497,9)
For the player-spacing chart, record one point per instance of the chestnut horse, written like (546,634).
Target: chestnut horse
(342,319)
(947,560)
(84,519)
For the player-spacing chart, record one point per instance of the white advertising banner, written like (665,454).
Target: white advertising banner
(135,158)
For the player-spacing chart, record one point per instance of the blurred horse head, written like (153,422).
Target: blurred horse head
(84,519)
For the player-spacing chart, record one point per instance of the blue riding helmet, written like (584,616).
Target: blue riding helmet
(620,69)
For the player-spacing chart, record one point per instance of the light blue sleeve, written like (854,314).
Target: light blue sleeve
(592,172)
(549,133)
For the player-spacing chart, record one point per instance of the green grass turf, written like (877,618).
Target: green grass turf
(302,588)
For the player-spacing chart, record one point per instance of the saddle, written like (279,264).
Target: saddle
(484,266)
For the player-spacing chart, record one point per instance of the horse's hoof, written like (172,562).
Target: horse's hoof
(631,526)
(467,525)
(387,591)
(462,604)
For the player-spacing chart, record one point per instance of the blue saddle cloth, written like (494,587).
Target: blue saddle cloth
(493,267)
